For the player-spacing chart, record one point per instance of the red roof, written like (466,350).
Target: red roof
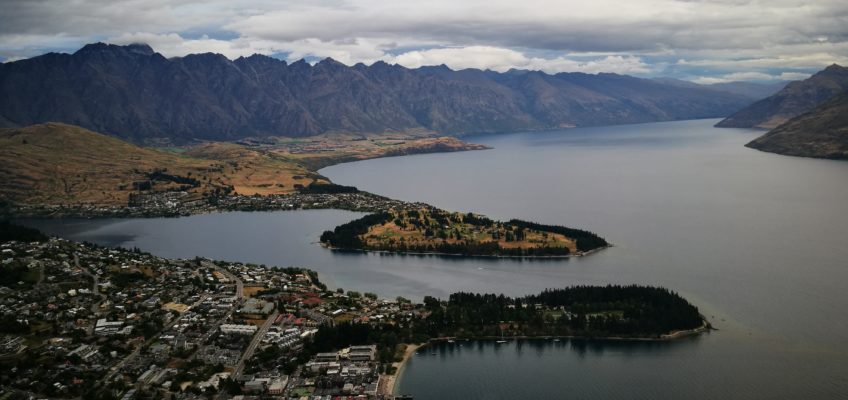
(312,301)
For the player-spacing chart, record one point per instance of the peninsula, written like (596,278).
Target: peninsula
(61,166)
(430,230)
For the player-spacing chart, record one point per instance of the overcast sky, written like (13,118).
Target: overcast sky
(702,41)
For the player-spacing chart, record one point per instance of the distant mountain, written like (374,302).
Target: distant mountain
(821,132)
(752,90)
(795,99)
(137,94)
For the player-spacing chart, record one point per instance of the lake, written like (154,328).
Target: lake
(758,241)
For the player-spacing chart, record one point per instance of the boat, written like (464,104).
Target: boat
(501,341)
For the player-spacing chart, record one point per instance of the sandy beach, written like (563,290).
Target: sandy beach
(388,383)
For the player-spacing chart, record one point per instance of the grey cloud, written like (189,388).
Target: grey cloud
(724,34)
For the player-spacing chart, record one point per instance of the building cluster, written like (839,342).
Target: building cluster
(181,203)
(80,320)
(349,372)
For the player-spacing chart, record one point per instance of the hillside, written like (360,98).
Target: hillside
(137,94)
(821,132)
(436,231)
(793,100)
(57,164)
(319,151)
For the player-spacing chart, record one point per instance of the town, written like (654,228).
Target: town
(92,322)
(182,203)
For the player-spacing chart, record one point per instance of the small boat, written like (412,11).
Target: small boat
(556,340)
(450,341)
(501,341)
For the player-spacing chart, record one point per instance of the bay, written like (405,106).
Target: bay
(757,241)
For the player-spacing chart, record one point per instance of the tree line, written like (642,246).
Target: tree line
(581,311)
(10,231)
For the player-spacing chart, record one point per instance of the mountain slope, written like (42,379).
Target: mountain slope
(821,132)
(796,98)
(750,89)
(56,163)
(137,94)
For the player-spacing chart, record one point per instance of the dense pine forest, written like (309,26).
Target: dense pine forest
(636,312)
(591,311)
(11,231)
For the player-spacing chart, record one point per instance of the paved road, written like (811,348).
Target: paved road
(96,286)
(257,338)
(229,275)
(117,367)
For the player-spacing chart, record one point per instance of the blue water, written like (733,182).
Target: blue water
(756,240)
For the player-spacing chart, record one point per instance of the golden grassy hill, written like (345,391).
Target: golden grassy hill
(252,171)
(320,151)
(57,163)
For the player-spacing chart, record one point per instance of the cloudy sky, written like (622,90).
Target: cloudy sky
(701,41)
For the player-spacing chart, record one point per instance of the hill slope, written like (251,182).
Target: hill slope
(795,99)
(137,94)
(58,164)
(822,133)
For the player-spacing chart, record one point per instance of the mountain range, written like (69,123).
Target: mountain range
(793,100)
(137,94)
(753,90)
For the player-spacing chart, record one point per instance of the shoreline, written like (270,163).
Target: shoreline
(86,210)
(413,253)
(389,383)
(705,327)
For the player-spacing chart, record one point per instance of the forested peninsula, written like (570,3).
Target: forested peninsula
(434,231)
(613,311)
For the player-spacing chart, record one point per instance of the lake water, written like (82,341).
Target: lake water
(758,241)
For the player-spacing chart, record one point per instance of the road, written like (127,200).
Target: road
(229,275)
(117,367)
(95,287)
(257,338)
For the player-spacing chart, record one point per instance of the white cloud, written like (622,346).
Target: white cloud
(792,76)
(174,45)
(750,76)
(502,59)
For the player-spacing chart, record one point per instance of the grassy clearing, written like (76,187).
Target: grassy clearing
(434,228)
